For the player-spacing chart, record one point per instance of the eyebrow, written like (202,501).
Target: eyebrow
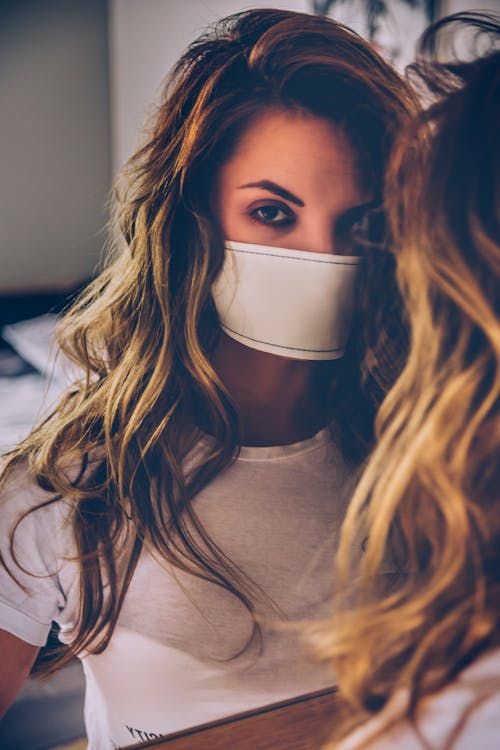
(276,189)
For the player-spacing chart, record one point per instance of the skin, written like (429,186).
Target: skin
(17,659)
(292,181)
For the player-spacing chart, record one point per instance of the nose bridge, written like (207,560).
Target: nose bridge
(319,234)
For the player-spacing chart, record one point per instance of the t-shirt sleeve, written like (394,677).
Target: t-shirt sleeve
(481,727)
(460,717)
(31,592)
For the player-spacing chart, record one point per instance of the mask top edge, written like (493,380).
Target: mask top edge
(282,252)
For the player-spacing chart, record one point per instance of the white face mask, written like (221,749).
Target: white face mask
(289,302)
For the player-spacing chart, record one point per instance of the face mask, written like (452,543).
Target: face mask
(289,302)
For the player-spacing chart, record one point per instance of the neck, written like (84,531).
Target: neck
(278,400)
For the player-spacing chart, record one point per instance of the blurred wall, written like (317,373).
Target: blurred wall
(54,141)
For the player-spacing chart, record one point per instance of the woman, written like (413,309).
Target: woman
(426,647)
(179,499)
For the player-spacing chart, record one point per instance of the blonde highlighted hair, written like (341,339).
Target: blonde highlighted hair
(424,598)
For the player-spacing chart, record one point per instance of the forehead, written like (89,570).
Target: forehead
(291,144)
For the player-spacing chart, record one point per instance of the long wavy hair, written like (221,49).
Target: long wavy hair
(144,331)
(427,596)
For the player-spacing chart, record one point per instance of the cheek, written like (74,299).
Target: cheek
(226,217)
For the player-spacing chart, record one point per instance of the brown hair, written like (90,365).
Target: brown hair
(428,500)
(145,330)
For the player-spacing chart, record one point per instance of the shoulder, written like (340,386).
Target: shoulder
(36,523)
(37,550)
(33,514)
(466,713)
(463,715)
(480,721)
(21,492)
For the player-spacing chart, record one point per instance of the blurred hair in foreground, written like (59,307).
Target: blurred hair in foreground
(428,502)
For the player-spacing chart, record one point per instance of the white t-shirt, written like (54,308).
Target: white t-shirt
(465,715)
(174,659)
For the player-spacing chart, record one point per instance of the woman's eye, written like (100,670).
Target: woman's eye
(272,215)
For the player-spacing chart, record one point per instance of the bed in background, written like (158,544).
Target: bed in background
(47,712)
